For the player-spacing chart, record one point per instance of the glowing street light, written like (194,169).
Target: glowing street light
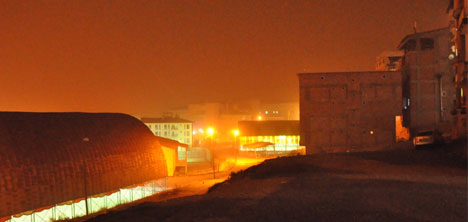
(210,131)
(259,118)
(235,132)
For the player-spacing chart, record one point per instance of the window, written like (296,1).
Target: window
(181,153)
(410,45)
(426,43)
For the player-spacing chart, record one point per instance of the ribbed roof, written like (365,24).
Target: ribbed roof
(170,143)
(42,157)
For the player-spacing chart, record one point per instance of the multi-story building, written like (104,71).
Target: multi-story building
(173,128)
(427,81)
(389,61)
(458,10)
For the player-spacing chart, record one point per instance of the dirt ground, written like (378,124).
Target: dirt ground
(398,185)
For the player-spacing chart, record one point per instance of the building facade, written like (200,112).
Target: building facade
(428,94)
(349,111)
(173,128)
(269,136)
(458,11)
(175,154)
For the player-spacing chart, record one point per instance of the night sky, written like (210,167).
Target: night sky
(142,57)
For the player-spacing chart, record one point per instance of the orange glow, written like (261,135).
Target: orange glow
(259,117)
(401,132)
(210,131)
(235,132)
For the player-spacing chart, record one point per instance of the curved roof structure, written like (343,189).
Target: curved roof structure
(46,158)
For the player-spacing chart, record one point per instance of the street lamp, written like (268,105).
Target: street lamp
(210,132)
(236,134)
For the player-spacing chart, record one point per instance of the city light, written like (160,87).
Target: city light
(210,131)
(259,118)
(235,132)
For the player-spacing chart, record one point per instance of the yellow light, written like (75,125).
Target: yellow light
(235,132)
(210,131)
(371,132)
(259,118)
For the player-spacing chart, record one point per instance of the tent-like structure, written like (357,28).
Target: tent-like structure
(50,158)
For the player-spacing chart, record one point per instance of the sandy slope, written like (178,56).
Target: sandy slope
(401,185)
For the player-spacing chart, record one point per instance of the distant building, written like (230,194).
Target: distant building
(349,111)
(173,128)
(458,9)
(223,117)
(428,94)
(389,61)
(269,136)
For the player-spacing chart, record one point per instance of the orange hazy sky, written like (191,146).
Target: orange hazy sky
(143,57)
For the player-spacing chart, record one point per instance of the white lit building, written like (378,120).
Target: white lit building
(173,128)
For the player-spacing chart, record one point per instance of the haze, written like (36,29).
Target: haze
(143,57)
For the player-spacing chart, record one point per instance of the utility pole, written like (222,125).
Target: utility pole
(85,183)
(212,157)
(85,186)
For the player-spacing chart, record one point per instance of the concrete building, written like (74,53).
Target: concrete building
(274,137)
(352,111)
(175,154)
(170,127)
(58,166)
(458,10)
(427,80)
(389,61)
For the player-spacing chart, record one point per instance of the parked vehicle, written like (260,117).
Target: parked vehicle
(428,137)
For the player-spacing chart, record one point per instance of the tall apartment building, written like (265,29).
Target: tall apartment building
(173,128)
(427,81)
(458,10)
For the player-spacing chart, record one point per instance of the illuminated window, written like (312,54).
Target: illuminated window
(181,153)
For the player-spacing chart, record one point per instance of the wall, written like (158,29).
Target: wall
(352,111)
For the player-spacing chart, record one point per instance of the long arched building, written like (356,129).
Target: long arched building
(50,158)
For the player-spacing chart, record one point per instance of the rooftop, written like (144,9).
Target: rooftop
(269,127)
(164,120)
